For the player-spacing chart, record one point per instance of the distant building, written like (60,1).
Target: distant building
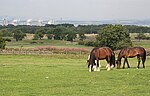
(28,22)
(5,23)
(40,23)
(51,22)
(15,22)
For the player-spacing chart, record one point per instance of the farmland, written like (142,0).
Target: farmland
(67,75)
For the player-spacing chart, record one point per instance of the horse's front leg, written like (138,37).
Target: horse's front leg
(127,63)
(109,67)
(90,68)
(95,65)
(124,63)
(98,67)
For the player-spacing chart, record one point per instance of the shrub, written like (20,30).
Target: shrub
(114,36)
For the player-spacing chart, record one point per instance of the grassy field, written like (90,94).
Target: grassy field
(67,75)
(142,43)
(44,42)
(27,43)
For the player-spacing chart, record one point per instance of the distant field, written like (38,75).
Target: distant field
(133,35)
(44,42)
(63,44)
(67,75)
(142,43)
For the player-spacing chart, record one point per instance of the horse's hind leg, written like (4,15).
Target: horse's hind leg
(138,62)
(98,67)
(108,65)
(143,61)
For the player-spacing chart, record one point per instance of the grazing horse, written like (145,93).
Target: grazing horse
(101,53)
(130,53)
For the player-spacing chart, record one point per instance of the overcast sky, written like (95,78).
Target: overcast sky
(76,9)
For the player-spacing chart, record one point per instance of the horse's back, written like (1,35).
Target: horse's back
(132,51)
(137,50)
(103,52)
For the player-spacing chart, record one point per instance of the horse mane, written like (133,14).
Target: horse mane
(92,52)
(121,52)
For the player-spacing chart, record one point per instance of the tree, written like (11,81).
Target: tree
(60,33)
(50,34)
(140,36)
(39,34)
(82,36)
(113,36)
(6,32)
(57,32)
(18,34)
(2,42)
(71,36)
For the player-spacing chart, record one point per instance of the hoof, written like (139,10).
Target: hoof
(94,68)
(98,69)
(112,66)
(107,66)
(108,69)
(100,66)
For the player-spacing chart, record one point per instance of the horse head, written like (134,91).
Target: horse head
(118,62)
(90,61)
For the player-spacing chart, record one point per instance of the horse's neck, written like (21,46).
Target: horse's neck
(119,57)
(91,58)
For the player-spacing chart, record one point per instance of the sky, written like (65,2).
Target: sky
(76,9)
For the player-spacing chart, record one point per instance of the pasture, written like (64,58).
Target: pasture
(36,43)
(67,75)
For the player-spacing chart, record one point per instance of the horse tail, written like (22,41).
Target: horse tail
(144,55)
(112,59)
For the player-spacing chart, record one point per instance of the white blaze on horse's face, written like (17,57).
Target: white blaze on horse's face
(118,63)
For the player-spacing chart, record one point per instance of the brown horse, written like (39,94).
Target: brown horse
(101,53)
(130,53)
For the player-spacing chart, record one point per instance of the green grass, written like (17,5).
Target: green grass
(44,42)
(63,44)
(67,75)
(142,43)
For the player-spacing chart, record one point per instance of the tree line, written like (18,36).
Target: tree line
(86,29)
(108,34)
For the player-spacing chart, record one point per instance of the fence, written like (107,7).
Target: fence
(50,50)
(45,50)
